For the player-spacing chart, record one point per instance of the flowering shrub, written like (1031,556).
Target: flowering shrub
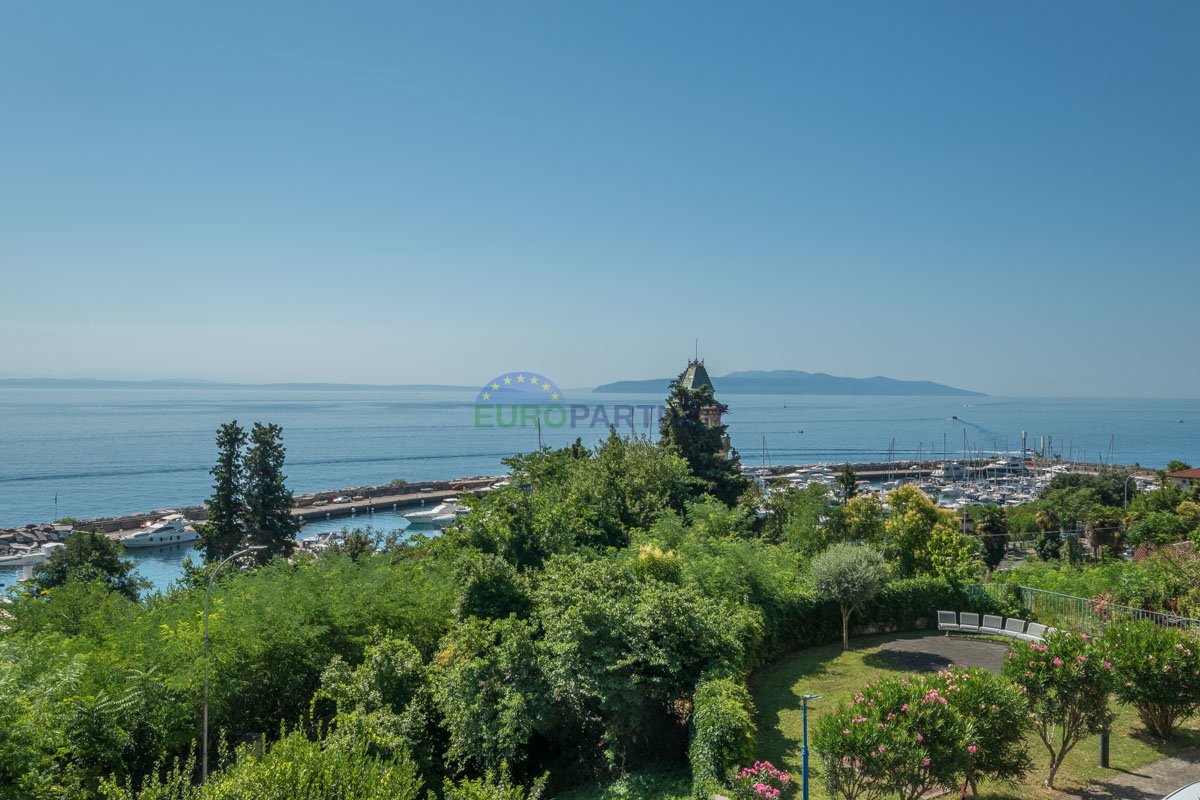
(763,781)
(907,735)
(1157,672)
(1066,680)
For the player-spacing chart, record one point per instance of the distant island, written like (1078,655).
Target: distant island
(792,381)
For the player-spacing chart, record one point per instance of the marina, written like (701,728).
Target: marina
(160,541)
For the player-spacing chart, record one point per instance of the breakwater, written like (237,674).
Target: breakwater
(351,501)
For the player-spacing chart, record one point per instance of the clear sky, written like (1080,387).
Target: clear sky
(1002,196)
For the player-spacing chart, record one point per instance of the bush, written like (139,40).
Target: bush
(399,482)
(906,735)
(1066,681)
(1157,672)
(763,781)
(492,788)
(293,767)
(722,732)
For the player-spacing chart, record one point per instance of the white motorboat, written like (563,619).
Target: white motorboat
(441,514)
(320,542)
(30,557)
(171,529)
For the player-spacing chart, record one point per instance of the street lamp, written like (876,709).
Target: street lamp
(1128,478)
(804,748)
(207,593)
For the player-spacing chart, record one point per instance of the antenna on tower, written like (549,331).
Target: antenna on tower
(697,348)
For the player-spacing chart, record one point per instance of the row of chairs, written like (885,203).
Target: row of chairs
(1012,627)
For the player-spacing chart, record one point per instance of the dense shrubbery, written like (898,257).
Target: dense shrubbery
(563,629)
(293,767)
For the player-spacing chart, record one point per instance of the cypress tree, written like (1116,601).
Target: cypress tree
(269,519)
(223,532)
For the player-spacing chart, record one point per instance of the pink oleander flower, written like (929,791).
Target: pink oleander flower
(846,731)
(1057,662)
(971,749)
(925,763)
(882,747)
(1106,665)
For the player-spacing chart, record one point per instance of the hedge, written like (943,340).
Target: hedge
(722,732)
(799,620)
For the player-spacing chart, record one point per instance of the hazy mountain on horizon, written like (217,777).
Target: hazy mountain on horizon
(792,381)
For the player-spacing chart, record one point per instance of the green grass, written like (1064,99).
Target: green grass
(829,672)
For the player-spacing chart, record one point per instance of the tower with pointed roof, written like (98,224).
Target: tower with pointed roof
(695,377)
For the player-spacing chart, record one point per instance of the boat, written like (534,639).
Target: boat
(320,542)
(171,529)
(950,471)
(30,557)
(441,514)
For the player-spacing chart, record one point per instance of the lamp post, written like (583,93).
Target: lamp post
(207,592)
(804,747)
(1128,478)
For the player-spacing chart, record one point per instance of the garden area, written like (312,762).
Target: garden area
(836,676)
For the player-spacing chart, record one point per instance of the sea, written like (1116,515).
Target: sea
(88,452)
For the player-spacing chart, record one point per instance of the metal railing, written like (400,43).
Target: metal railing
(1075,613)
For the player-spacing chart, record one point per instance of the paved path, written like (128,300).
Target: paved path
(1150,782)
(937,652)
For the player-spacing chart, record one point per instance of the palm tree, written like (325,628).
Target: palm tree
(847,483)
(1049,520)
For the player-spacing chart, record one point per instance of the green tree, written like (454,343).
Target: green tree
(224,529)
(1177,466)
(991,525)
(683,431)
(269,502)
(87,557)
(848,575)
(1157,527)
(847,483)
(924,539)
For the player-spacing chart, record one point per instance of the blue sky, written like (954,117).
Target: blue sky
(999,196)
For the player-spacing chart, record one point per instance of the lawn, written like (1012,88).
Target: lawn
(829,672)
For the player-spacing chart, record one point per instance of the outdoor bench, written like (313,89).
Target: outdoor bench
(1013,628)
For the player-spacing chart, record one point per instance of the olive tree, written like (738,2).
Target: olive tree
(850,575)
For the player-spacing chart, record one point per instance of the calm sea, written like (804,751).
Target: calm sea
(114,451)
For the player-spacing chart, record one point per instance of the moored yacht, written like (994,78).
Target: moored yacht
(171,529)
(441,514)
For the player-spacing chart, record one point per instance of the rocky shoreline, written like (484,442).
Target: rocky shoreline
(31,537)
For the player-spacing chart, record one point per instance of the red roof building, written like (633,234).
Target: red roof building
(1185,479)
